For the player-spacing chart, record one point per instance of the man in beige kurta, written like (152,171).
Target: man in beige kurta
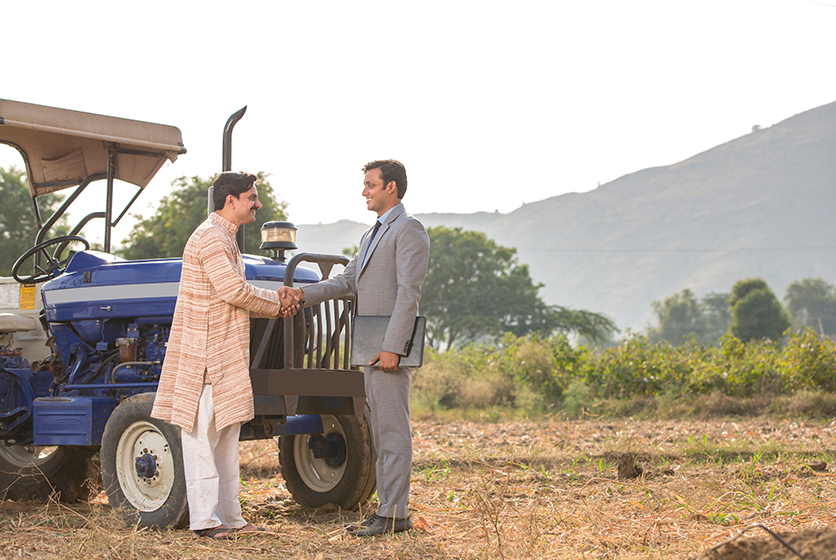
(205,384)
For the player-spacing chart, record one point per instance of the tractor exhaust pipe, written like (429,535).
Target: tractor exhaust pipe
(227,146)
(226,165)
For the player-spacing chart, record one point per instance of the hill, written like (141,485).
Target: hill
(758,205)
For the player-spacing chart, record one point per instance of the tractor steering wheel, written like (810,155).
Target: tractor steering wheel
(53,267)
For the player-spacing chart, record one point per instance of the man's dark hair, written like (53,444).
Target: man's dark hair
(390,170)
(232,183)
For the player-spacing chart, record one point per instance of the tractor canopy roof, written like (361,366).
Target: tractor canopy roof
(63,148)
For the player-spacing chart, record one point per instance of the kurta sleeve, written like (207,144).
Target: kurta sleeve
(216,257)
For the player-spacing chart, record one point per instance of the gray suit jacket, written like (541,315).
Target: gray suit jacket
(389,282)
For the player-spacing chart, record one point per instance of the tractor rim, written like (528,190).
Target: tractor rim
(142,440)
(25,455)
(317,474)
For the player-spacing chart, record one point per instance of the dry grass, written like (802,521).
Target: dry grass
(505,490)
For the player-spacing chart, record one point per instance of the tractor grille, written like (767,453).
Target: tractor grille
(321,338)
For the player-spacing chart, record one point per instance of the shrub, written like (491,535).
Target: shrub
(577,398)
(809,361)
(534,372)
(436,385)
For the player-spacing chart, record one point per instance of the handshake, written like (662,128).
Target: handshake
(291,300)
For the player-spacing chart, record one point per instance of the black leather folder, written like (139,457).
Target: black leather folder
(367,340)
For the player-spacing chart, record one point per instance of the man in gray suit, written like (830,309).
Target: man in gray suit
(386,274)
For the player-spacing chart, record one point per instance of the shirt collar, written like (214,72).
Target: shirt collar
(385,215)
(223,222)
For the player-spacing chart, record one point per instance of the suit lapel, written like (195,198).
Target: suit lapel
(397,211)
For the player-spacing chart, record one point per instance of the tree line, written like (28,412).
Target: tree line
(750,311)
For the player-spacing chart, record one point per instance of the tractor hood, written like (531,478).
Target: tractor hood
(98,286)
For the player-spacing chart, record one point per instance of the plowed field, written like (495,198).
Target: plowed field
(551,489)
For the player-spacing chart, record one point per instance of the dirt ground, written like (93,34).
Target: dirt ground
(553,489)
(817,543)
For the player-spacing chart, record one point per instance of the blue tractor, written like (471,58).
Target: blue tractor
(83,336)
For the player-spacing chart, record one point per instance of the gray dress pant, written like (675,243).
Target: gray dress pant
(388,396)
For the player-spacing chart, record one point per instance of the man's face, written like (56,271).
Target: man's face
(379,197)
(244,207)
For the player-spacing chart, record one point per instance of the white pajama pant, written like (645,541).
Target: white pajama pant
(210,459)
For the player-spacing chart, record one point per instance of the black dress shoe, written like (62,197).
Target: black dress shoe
(383,526)
(362,525)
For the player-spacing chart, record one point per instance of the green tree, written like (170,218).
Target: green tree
(811,302)
(18,227)
(166,232)
(588,325)
(756,312)
(476,288)
(682,315)
(679,316)
(715,308)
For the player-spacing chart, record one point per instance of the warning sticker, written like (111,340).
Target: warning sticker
(27,296)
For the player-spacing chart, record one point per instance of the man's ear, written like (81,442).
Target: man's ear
(391,186)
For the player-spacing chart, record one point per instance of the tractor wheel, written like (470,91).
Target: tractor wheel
(31,473)
(142,466)
(342,475)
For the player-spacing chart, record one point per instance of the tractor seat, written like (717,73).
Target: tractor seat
(11,323)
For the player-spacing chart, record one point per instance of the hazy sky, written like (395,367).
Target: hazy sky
(488,104)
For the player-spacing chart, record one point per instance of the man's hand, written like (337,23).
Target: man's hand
(386,361)
(291,299)
(294,293)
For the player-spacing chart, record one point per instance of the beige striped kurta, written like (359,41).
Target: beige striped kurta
(211,330)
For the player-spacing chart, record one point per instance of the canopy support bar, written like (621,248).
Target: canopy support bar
(111,172)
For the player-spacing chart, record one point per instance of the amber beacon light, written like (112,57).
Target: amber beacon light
(278,237)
